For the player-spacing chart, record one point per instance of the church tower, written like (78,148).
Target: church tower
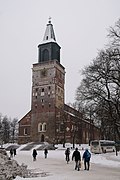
(48,78)
(50,119)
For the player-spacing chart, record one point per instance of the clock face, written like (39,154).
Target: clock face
(44,72)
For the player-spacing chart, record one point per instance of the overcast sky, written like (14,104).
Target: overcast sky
(81,30)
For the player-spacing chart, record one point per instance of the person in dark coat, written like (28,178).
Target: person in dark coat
(76,155)
(45,152)
(67,153)
(86,158)
(14,152)
(11,153)
(34,154)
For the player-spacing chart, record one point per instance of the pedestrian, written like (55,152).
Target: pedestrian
(34,154)
(76,155)
(67,154)
(45,152)
(14,152)
(11,153)
(86,158)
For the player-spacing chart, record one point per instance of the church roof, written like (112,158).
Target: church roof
(49,35)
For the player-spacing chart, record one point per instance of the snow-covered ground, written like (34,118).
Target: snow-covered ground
(55,167)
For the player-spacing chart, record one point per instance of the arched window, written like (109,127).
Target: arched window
(42,92)
(45,55)
(44,127)
(25,131)
(39,127)
(62,127)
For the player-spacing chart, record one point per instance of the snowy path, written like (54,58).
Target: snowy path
(55,167)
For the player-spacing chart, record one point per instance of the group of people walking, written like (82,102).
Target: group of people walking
(34,154)
(77,157)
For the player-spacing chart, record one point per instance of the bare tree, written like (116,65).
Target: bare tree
(14,130)
(1,131)
(6,129)
(114,35)
(100,89)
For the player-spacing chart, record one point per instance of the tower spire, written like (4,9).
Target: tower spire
(49,35)
(49,50)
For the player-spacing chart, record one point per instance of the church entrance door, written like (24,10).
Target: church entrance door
(42,138)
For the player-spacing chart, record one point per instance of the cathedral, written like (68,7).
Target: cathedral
(50,119)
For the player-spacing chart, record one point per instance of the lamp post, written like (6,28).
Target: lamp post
(64,136)
(74,130)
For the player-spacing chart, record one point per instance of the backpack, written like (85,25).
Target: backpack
(88,155)
(67,151)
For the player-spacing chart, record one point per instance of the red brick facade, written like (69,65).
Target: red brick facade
(25,129)
(67,127)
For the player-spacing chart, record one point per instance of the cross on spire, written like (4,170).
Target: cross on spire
(49,20)
(49,35)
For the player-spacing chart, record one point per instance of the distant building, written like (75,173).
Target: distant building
(50,119)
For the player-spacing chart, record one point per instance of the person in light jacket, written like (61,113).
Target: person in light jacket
(86,158)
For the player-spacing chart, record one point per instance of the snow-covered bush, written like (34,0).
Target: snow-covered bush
(9,168)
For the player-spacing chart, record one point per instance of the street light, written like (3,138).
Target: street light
(74,130)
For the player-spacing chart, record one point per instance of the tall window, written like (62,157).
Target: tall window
(42,127)
(45,55)
(62,127)
(42,92)
(39,127)
(25,131)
